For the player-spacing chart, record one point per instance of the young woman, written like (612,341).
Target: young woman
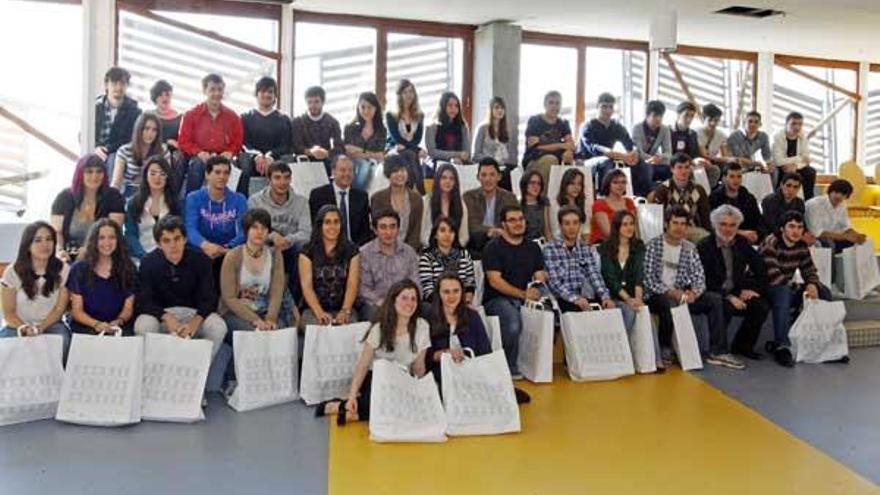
(454,326)
(365,138)
(399,336)
(329,271)
(146,141)
(445,255)
(400,198)
(613,192)
(76,208)
(536,206)
(101,283)
(169,117)
(445,200)
(253,289)
(622,262)
(405,130)
(33,294)
(493,139)
(572,193)
(448,138)
(153,200)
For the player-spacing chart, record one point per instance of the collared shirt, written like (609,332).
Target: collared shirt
(199,131)
(573,272)
(379,271)
(743,147)
(822,216)
(489,217)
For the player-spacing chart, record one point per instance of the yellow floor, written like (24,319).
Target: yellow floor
(651,435)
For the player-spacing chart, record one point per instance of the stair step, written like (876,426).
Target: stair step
(862,333)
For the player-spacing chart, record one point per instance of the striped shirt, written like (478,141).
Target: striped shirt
(433,264)
(133,168)
(782,260)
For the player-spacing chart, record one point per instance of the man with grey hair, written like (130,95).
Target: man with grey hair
(737,272)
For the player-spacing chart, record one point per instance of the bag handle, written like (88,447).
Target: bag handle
(640,200)
(117,331)
(302,159)
(467,350)
(595,307)
(21,329)
(533,305)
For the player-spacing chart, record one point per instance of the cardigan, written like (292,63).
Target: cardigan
(628,277)
(230,274)
(382,201)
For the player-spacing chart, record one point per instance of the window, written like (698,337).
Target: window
(822,103)
(544,68)
(872,122)
(341,59)
(623,73)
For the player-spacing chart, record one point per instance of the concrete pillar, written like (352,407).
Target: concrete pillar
(765,90)
(496,71)
(862,117)
(99,37)
(653,75)
(285,103)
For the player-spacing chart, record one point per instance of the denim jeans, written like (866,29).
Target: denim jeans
(363,172)
(709,304)
(784,299)
(195,174)
(507,311)
(55,329)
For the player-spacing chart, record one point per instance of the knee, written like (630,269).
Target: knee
(214,327)
(145,324)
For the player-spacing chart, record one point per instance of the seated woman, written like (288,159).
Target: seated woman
(613,192)
(161,94)
(399,336)
(400,198)
(493,139)
(405,130)
(146,142)
(536,206)
(622,262)
(445,255)
(33,294)
(329,271)
(572,193)
(445,200)
(155,199)
(454,326)
(448,138)
(253,289)
(101,283)
(365,138)
(88,199)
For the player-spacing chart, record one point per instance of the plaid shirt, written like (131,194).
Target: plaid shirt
(690,270)
(104,136)
(573,273)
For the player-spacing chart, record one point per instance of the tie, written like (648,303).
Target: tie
(343,209)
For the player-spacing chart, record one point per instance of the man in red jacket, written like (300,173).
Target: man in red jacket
(209,129)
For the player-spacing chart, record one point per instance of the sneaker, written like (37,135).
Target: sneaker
(783,356)
(726,360)
(522,397)
(204,402)
(667,355)
(517,376)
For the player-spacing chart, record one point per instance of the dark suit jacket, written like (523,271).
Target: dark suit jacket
(123,125)
(382,201)
(358,210)
(749,271)
(475,200)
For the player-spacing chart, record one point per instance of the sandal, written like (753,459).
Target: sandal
(320,410)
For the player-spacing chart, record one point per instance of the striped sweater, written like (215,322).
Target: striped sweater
(782,260)
(433,264)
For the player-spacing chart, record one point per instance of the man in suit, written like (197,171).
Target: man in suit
(353,203)
(484,206)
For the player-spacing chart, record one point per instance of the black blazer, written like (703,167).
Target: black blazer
(358,210)
(749,271)
(123,125)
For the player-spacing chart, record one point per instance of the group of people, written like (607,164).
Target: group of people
(150,238)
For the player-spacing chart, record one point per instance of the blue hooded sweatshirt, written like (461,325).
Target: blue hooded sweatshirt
(215,221)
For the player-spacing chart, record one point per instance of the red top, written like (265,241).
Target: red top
(601,205)
(200,132)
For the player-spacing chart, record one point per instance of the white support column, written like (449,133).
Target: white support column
(99,35)
(765,90)
(862,116)
(287,59)
(653,75)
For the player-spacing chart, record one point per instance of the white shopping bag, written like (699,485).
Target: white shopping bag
(650,219)
(329,356)
(515,177)
(818,334)
(234,178)
(175,371)
(478,395)
(480,282)
(467,176)
(759,184)
(629,178)
(379,181)
(642,342)
(555,181)
(684,339)
(307,175)
(860,271)
(493,328)
(30,378)
(103,380)
(535,358)
(265,368)
(404,408)
(596,346)
(702,179)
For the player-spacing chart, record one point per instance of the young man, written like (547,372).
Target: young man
(684,139)
(791,152)
(744,144)
(731,192)
(484,205)
(783,253)
(681,190)
(548,138)
(353,203)
(174,294)
(653,141)
(599,137)
(291,220)
(736,272)
(712,140)
(384,261)
(513,267)
(674,275)
(209,129)
(115,115)
(783,200)
(827,217)
(317,134)
(267,134)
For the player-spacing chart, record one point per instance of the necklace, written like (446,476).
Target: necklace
(253,253)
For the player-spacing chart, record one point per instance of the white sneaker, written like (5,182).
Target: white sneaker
(726,360)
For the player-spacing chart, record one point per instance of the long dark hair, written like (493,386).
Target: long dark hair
(503,134)
(123,269)
(373,100)
(455,209)
(317,239)
(605,188)
(387,318)
(524,185)
(439,325)
(76,184)
(24,265)
(443,219)
(611,245)
(169,195)
(415,110)
(567,178)
(139,149)
(442,118)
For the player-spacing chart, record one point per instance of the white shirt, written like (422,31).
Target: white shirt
(713,145)
(821,216)
(671,256)
(779,148)
(33,310)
